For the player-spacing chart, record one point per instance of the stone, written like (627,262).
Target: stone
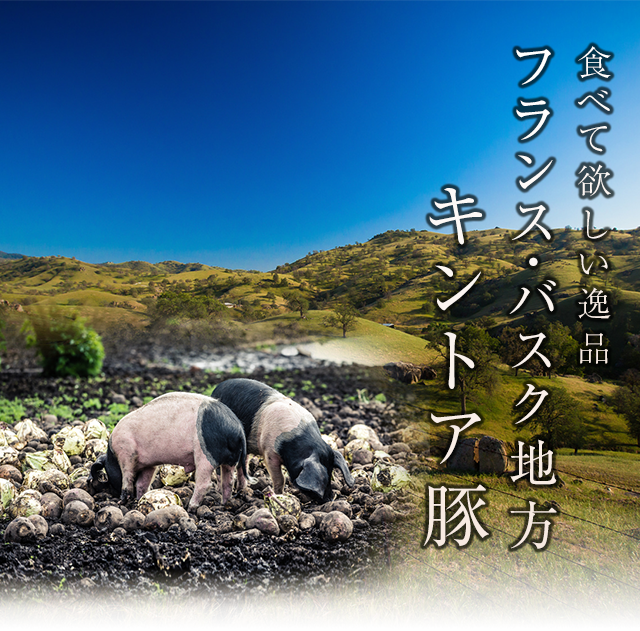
(336,526)
(306,521)
(463,457)
(79,495)
(108,518)
(362,456)
(264,521)
(133,520)
(383,515)
(492,456)
(78,514)
(339,505)
(20,530)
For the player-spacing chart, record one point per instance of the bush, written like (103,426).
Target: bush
(65,344)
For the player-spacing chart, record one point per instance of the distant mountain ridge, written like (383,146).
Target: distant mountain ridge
(10,257)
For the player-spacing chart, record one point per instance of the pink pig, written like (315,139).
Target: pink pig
(180,428)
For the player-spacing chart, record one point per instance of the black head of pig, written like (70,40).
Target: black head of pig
(310,463)
(105,474)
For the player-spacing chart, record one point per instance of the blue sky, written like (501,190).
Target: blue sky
(248,134)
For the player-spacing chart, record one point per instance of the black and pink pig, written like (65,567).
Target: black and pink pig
(283,433)
(192,430)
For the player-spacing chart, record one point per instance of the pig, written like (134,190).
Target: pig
(181,428)
(283,432)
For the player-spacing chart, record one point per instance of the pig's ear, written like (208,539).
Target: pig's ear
(96,468)
(341,463)
(313,476)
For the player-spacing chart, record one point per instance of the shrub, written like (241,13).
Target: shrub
(65,344)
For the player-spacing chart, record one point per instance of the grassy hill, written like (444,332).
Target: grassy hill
(390,279)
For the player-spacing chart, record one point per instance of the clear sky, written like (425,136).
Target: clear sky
(247,134)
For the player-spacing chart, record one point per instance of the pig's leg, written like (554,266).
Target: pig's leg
(274,467)
(128,482)
(226,481)
(143,481)
(242,481)
(202,479)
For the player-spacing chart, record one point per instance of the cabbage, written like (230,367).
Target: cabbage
(158,498)
(71,440)
(283,504)
(387,478)
(95,447)
(7,493)
(8,455)
(173,475)
(39,460)
(25,504)
(27,430)
(95,429)
(60,460)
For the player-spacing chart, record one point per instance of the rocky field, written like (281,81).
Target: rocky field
(73,535)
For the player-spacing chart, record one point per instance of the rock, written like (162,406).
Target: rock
(40,525)
(9,472)
(137,401)
(336,526)
(306,521)
(119,398)
(356,445)
(240,522)
(56,529)
(398,448)
(339,505)
(78,495)
(77,513)
(51,506)
(409,373)
(49,421)
(204,512)
(108,518)
(163,518)
(187,524)
(287,523)
(20,530)
(133,520)
(252,533)
(383,515)
(362,456)
(492,456)
(463,457)
(363,432)
(264,521)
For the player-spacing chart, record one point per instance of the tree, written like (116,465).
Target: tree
(477,345)
(295,301)
(626,401)
(557,420)
(344,316)
(513,349)
(65,344)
